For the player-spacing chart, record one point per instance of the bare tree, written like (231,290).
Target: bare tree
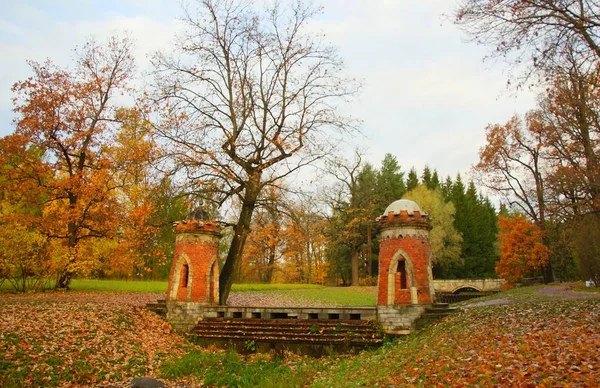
(249,97)
(537,33)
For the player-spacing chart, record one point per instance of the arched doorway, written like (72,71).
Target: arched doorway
(402,283)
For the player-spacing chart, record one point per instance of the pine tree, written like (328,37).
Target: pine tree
(447,188)
(390,182)
(426,178)
(413,180)
(435,180)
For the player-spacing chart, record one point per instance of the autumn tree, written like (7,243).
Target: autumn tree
(522,250)
(353,206)
(570,113)
(444,239)
(305,238)
(511,164)
(263,249)
(250,97)
(24,253)
(68,115)
(265,241)
(136,251)
(541,34)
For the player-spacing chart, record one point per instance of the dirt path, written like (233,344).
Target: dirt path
(562,291)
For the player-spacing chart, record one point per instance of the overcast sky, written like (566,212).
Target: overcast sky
(427,98)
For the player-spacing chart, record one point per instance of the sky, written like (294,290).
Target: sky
(427,96)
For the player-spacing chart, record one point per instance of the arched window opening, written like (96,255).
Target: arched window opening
(402,273)
(185,276)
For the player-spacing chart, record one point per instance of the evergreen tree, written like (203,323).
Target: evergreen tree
(476,220)
(390,182)
(370,204)
(413,179)
(447,188)
(435,180)
(367,184)
(426,178)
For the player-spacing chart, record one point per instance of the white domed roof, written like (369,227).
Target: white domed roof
(403,205)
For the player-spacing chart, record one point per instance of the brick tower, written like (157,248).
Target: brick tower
(405,276)
(194,273)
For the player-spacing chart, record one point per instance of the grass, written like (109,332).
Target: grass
(334,296)
(273,287)
(337,296)
(232,370)
(118,285)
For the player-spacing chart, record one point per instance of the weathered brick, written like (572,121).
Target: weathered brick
(404,260)
(194,275)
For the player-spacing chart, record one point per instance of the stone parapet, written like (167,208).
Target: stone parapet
(186,315)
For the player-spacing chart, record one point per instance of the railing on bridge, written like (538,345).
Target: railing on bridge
(448,297)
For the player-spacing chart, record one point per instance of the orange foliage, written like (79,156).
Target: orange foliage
(90,175)
(521,248)
(286,246)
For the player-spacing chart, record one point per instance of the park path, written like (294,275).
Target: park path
(565,291)
(560,291)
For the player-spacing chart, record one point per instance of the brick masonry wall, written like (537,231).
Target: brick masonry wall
(197,246)
(405,237)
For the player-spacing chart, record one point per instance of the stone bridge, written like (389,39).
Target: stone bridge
(457,285)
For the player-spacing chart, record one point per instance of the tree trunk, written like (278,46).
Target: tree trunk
(240,233)
(354,264)
(270,266)
(65,277)
(369,251)
(309,261)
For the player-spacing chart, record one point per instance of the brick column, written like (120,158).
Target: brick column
(405,275)
(194,275)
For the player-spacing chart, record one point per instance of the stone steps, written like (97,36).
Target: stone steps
(323,332)
(159,307)
(432,314)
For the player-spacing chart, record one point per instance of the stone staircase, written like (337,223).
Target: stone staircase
(433,314)
(336,333)
(159,307)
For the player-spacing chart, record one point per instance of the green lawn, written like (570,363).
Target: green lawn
(337,296)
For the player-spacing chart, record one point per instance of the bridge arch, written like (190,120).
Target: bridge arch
(457,290)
